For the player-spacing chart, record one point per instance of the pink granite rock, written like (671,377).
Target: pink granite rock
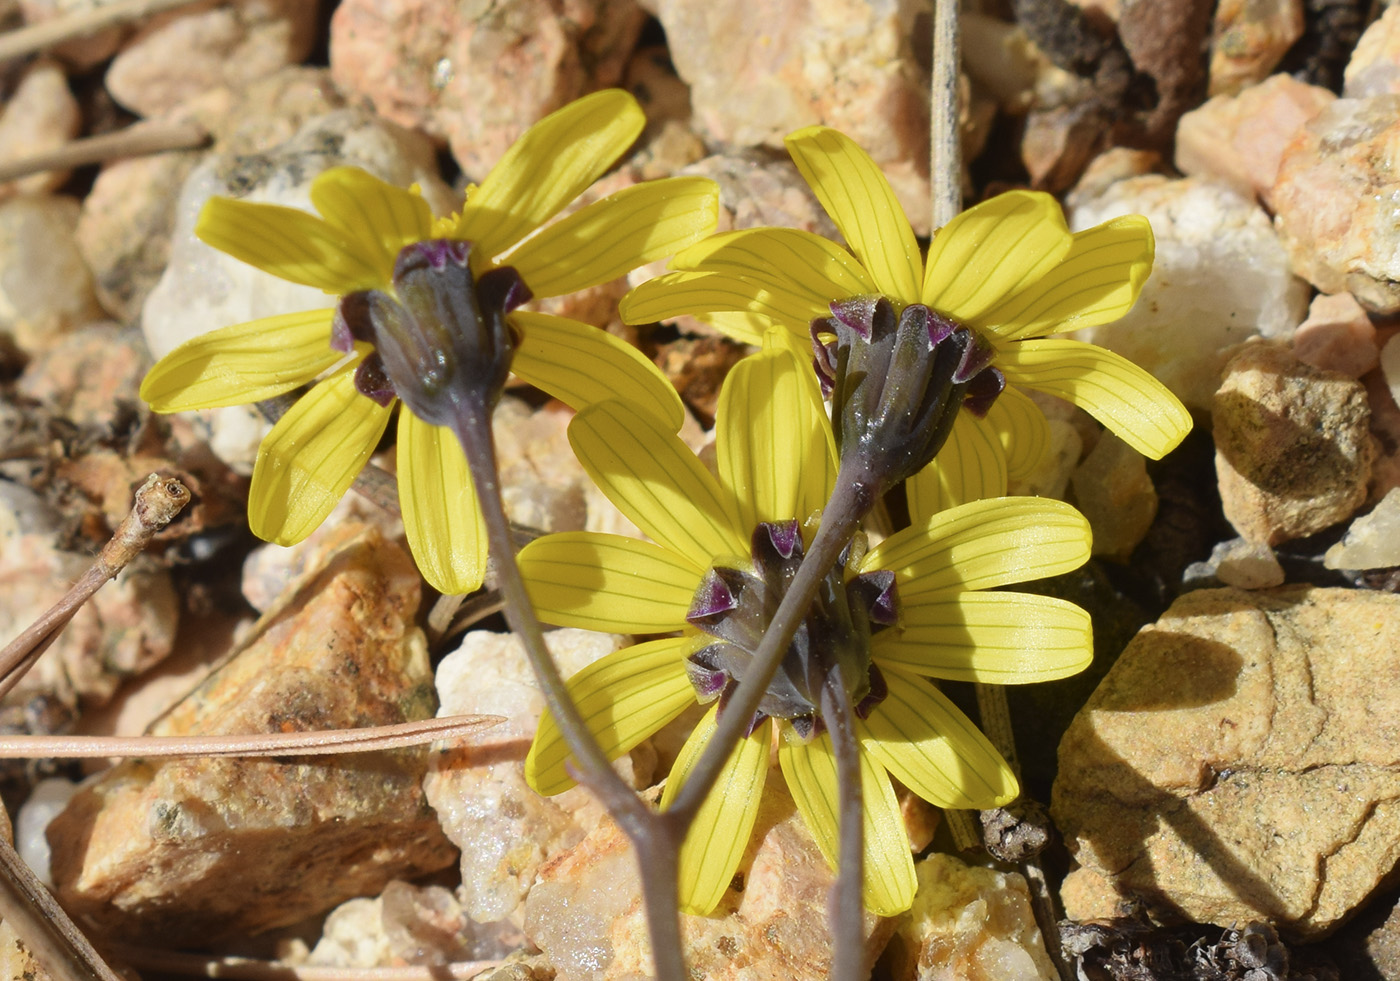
(477,75)
(1333,201)
(1374,68)
(759,71)
(585,911)
(40,115)
(88,373)
(1249,38)
(187,850)
(45,289)
(1239,763)
(1337,336)
(1293,448)
(127,627)
(1240,138)
(178,55)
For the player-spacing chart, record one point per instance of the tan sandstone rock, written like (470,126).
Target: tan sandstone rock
(1250,36)
(1293,449)
(188,850)
(1240,762)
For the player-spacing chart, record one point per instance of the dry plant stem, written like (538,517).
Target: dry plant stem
(945,187)
(37,37)
(135,141)
(158,501)
(322,743)
(847,910)
(651,840)
(945,151)
(249,969)
(1047,916)
(56,942)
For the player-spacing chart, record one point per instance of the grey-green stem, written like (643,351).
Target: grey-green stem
(656,844)
(847,909)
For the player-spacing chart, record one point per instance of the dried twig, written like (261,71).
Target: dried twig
(945,187)
(158,501)
(945,150)
(54,940)
(38,37)
(317,743)
(134,141)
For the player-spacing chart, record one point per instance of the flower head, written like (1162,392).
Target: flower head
(400,276)
(918,605)
(1008,270)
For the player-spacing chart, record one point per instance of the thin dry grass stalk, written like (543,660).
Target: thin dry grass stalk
(134,141)
(38,37)
(53,938)
(158,501)
(319,743)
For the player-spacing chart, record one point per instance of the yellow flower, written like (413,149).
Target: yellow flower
(1009,269)
(714,564)
(314,452)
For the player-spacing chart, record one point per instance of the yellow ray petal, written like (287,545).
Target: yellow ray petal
(1097,282)
(740,325)
(1137,407)
(611,237)
(287,243)
(1024,433)
(549,166)
(810,771)
(376,219)
(858,198)
(441,518)
(680,293)
(771,441)
(984,544)
(623,698)
(579,365)
(933,749)
(718,835)
(654,479)
(311,457)
(1000,638)
(243,363)
(780,260)
(607,582)
(970,467)
(993,250)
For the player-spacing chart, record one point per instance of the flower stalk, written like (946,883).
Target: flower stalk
(656,845)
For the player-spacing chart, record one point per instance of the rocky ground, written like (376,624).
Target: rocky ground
(1224,780)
